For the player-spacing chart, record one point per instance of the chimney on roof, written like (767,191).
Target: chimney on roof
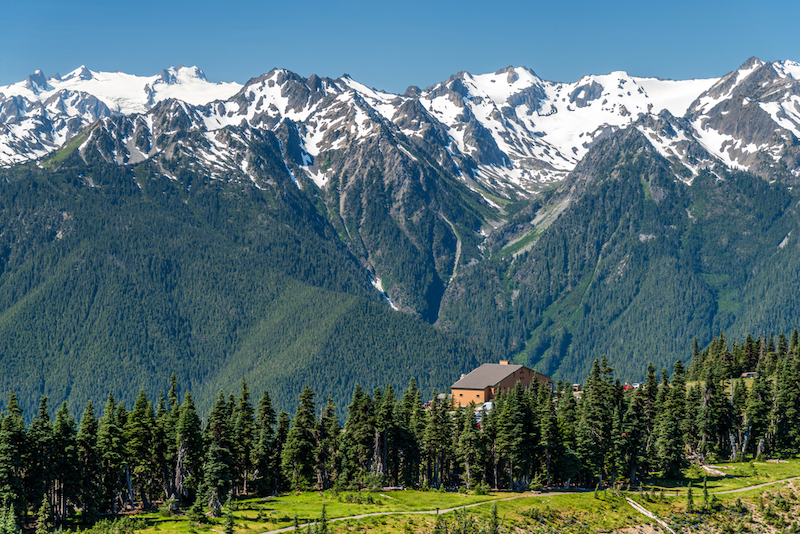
(503,362)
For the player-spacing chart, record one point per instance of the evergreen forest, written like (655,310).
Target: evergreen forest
(119,458)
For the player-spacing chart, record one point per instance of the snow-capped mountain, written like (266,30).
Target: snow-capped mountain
(38,114)
(510,131)
(750,118)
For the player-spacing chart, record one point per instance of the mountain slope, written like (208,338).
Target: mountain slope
(636,265)
(115,277)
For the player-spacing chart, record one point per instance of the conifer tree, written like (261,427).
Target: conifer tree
(634,428)
(90,462)
(594,426)
(550,445)
(437,440)
(384,431)
(243,437)
(786,407)
(358,437)
(111,447)
(191,451)
(141,449)
(470,446)
(262,451)
(281,434)
(44,517)
(39,456)
(758,413)
(669,440)
(689,500)
(409,418)
(326,455)
(12,441)
(66,473)
(297,458)
(219,463)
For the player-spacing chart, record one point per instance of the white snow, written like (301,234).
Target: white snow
(787,69)
(125,93)
(376,282)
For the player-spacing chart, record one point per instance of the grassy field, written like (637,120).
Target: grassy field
(765,509)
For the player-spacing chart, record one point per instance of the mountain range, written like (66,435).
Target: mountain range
(489,216)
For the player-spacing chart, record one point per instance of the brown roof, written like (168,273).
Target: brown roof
(488,374)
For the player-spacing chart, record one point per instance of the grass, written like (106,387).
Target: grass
(61,154)
(568,513)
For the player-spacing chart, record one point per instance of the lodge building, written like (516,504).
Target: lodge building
(482,384)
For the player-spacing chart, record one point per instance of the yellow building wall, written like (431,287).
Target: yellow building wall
(462,397)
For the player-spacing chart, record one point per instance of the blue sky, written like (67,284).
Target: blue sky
(393,45)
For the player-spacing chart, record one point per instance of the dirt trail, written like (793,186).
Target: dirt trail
(430,512)
(748,488)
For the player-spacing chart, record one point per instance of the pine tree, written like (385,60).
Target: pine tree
(44,517)
(669,437)
(297,459)
(12,441)
(219,463)
(281,433)
(39,456)
(437,440)
(90,462)
(757,413)
(550,444)
(689,500)
(326,455)
(358,437)
(66,473)
(191,451)
(244,437)
(228,524)
(470,446)
(594,427)
(111,448)
(409,415)
(634,428)
(140,449)
(262,452)
(384,431)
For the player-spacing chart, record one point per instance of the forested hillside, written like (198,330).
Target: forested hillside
(637,265)
(112,278)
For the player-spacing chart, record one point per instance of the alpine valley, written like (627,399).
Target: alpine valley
(315,231)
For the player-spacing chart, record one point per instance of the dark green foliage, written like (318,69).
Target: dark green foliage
(200,278)
(297,458)
(190,451)
(219,460)
(635,267)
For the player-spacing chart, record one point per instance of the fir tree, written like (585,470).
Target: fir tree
(39,455)
(90,461)
(111,448)
(66,473)
(243,437)
(297,458)
(141,449)
(358,437)
(262,452)
(44,517)
(219,458)
(326,455)
(191,451)
(689,500)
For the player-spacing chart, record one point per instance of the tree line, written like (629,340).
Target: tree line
(532,437)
